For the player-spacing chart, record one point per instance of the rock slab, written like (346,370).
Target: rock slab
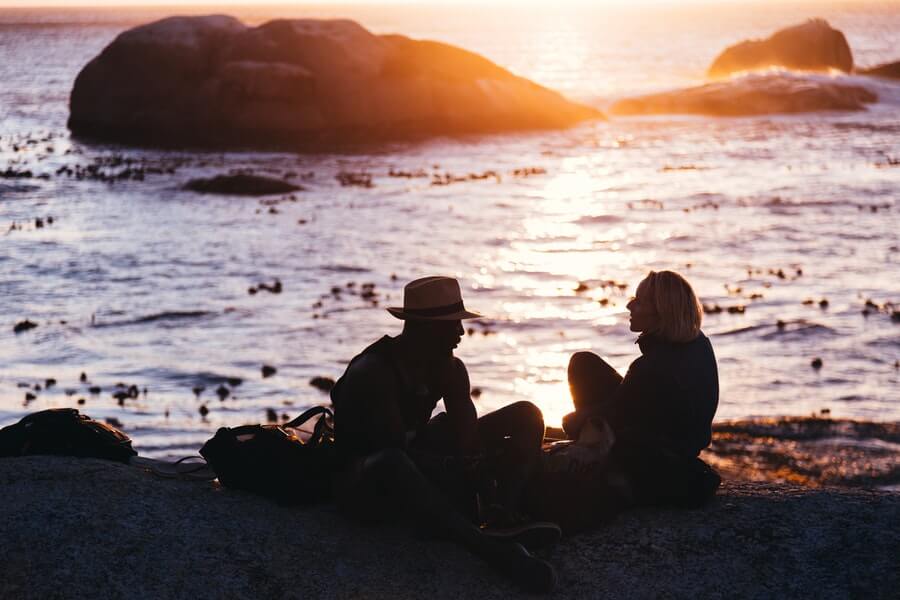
(755,94)
(304,83)
(889,70)
(86,528)
(810,46)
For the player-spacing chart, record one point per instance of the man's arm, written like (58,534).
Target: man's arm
(454,385)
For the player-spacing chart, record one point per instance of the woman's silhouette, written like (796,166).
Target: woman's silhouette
(658,417)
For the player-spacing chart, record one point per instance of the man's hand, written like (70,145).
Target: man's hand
(453,379)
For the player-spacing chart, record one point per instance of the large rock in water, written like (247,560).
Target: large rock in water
(811,46)
(85,528)
(212,81)
(751,95)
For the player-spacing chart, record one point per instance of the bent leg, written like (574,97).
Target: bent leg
(390,481)
(516,428)
(512,438)
(592,382)
(388,485)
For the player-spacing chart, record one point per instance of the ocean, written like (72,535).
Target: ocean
(139,282)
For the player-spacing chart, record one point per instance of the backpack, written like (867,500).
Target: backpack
(274,461)
(65,432)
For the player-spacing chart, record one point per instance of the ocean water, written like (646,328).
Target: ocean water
(141,283)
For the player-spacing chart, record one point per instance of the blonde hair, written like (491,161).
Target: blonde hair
(677,306)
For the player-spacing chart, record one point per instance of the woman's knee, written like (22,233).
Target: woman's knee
(582,364)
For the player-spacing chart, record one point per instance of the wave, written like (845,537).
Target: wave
(16,188)
(784,330)
(344,269)
(812,428)
(597,219)
(163,316)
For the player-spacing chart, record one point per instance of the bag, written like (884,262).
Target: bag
(576,487)
(65,432)
(272,461)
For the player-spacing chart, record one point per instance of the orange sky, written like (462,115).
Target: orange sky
(74,3)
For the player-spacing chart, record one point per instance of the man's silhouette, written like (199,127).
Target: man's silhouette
(398,461)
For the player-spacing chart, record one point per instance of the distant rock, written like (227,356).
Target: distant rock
(83,525)
(322,383)
(811,46)
(888,70)
(304,83)
(241,185)
(24,326)
(760,94)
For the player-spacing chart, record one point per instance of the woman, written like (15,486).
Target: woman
(649,426)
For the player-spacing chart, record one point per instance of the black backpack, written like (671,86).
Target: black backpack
(64,432)
(274,462)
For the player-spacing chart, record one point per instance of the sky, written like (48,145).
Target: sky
(74,3)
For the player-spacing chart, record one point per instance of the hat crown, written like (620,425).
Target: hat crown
(431,292)
(432,298)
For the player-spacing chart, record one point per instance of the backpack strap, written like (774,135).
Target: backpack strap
(321,428)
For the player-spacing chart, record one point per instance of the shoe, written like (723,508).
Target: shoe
(529,572)
(501,523)
(533,536)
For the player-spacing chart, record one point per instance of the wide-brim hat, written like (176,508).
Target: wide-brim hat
(432,299)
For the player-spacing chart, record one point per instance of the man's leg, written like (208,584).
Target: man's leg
(390,479)
(512,438)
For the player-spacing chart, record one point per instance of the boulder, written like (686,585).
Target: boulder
(755,94)
(811,46)
(74,527)
(241,184)
(888,70)
(305,83)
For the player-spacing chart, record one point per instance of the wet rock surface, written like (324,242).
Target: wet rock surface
(752,95)
(75,527)
(810,46)
(304,83)
(815,452)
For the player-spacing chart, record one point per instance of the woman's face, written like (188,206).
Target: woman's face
(643,313)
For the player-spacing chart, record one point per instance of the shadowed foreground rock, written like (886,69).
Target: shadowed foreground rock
(810,46)
(304,83)
(751,95)
(88,528)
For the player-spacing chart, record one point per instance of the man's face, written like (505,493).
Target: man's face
(441,337)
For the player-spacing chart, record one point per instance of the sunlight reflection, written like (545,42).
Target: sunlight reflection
(544,380)
(553,399)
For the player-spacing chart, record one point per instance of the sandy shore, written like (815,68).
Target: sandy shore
(87,528)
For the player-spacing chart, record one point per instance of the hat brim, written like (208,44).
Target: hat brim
(460,315)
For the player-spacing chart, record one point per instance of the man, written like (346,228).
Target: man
(397,460)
